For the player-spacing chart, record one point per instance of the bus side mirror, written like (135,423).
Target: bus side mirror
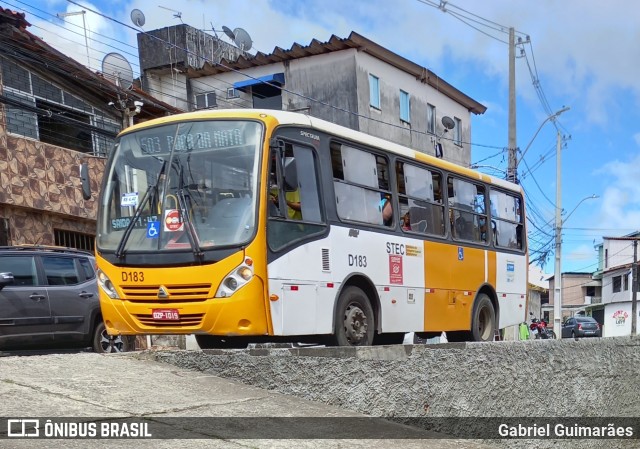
(84,181)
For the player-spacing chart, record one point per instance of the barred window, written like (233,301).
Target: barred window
(71,239)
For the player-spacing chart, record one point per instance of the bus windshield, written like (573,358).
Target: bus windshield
(188,185)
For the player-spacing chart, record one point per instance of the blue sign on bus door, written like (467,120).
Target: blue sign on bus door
(460,253)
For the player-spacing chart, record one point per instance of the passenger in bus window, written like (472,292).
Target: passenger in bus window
(387,210)
(406,222)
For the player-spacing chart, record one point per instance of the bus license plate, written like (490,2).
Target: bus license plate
(166,314)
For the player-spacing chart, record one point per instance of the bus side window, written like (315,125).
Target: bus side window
(303,216)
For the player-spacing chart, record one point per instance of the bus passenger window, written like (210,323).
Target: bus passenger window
(467,211)
(420,197)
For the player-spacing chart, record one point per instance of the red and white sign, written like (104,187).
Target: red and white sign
(165,314)
(172,222)
(395,269)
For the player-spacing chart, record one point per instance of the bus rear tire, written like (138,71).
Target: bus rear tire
(483,320)
(354,321)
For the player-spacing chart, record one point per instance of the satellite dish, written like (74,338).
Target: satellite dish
(117,70)
(229,33)
(448,122)
(137,17)
(242,40)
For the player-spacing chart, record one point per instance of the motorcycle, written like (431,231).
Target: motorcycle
(540,329)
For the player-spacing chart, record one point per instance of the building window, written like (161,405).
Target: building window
(374,91)
(457,131)
(625,280)
(71,239)
(206,100)
(431,119)
(232,92)
(405,107)
(606,258)
(617,284)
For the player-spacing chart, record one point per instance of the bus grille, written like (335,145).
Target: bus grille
(177,293)
(194,319)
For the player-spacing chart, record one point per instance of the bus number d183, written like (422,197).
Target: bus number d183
(356,260)
(133,276)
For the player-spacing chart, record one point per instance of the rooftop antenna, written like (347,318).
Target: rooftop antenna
(448,124)
(242,39)
(137,17)
(176,14)
(228,32)
(117,69)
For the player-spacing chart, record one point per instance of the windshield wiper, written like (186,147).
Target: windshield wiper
(191,233)
(145,199)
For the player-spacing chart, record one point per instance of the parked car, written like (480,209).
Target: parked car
(49,300)
(580,326)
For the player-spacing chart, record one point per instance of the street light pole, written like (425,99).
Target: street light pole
(557,276)
(551,117)
(557,281)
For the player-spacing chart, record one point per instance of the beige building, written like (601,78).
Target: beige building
(578,291)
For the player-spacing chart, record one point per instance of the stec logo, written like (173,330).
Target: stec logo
(23,428)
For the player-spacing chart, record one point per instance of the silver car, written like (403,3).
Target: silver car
(49,300)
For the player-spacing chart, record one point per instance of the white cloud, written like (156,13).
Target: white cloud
(620,204)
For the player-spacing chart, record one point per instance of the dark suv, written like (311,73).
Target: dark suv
(49,299)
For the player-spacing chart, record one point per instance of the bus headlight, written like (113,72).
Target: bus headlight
(107,286)
(236,279)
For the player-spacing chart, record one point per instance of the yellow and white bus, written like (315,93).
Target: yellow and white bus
(253,225)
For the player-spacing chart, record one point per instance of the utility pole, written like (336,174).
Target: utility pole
(557,282)
(512,171)
(634,290)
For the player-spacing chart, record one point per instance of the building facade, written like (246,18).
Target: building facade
(579,291)
(55,115)
(353,82)
(615,270)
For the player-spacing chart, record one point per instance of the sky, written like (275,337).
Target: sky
(580,54)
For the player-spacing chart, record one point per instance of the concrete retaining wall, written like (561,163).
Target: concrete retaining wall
(586,378)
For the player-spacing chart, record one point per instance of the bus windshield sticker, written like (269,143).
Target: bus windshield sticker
(153,229)
(129,199)
(172,221)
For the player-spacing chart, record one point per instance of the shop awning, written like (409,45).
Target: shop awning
(273,78)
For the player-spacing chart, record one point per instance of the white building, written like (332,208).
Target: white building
(615,269)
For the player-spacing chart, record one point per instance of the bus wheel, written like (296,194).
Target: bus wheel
(215,342)
(483,321)
(354,323)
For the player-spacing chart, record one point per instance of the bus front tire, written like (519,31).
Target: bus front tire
(354,321)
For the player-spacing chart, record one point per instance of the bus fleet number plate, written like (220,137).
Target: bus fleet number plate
(165,314)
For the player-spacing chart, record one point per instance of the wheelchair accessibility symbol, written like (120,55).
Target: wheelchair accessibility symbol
(460,253)
(152,230)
